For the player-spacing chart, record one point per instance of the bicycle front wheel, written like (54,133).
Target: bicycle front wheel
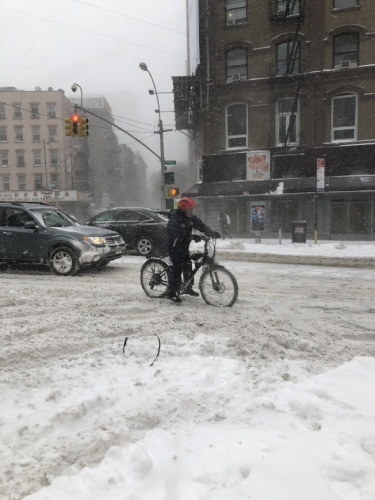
(155,276)
(218,287)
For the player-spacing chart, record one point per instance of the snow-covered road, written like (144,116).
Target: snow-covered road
(68,392)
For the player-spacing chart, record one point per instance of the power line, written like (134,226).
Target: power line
(92,32)
(134,18)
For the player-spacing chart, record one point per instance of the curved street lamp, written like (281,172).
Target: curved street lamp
(144,67)
(74,88)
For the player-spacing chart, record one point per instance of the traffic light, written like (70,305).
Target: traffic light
(69,126)
(75,119)
(83,128)
(169,178)
(172,192)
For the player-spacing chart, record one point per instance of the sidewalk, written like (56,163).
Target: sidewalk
(327,253)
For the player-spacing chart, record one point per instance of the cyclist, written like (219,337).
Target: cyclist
(180,225)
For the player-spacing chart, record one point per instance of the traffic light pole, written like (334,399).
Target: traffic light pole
(119,128)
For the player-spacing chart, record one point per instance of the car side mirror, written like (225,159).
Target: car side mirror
(30,224)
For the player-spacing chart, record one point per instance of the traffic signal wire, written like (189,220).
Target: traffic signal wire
(93,32)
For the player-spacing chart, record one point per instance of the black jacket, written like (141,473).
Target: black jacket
(179,231)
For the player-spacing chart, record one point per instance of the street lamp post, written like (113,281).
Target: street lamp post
(143,67)
(74,88)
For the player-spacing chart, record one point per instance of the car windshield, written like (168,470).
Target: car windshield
(53,218)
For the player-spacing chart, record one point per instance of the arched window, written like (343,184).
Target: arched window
(287,58)
(287,121)
(236,126)
(236,65)
(344,117)
(345,50)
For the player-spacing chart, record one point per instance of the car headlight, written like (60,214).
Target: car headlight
(95,240)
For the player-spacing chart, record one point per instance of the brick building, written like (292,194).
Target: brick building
(281,108)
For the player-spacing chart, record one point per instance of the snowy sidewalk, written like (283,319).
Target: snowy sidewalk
(328,253)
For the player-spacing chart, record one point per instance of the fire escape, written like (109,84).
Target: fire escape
(288,14)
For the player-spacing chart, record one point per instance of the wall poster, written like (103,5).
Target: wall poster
(258,217)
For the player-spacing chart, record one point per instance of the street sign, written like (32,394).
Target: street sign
(170,162)
(320,174)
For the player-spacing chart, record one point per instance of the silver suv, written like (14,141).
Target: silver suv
(39,233)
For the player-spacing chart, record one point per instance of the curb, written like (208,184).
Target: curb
(308,260)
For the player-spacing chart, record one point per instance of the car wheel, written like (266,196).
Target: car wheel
(144,246)
(63,261)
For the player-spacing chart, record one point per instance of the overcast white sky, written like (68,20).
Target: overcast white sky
(99,45)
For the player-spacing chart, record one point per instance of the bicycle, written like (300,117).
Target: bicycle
(217,285)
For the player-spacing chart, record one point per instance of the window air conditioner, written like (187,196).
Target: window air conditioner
(230,21)
(236,77)
(53,138)
(34,115)
(21,163)
(51,115)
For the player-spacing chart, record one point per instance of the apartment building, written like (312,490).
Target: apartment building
(281,109)
(37,161)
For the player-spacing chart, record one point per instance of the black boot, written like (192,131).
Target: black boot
(192,292)
(173,297)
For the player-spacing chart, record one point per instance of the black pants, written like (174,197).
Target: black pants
(181,265)
(224,231)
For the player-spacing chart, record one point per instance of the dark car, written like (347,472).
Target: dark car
(39,233)
(143,229)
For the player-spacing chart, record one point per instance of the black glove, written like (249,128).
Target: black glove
(197,238)
(216,235)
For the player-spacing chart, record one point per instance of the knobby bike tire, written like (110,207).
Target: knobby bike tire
(218,287)
(155,276)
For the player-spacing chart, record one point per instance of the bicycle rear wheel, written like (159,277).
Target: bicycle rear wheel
(218,287)
(155,276)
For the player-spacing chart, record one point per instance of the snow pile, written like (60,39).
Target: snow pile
(311,440)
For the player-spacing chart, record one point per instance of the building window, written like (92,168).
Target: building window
(51,109)
(36,134)
(345,51)
(236,65)
(20,155)
(6,183)
(21,182)
(236,11)
(288,8)
(18,133)
(344,118)
(348,217)
(38,181)
(344,4)
(4,158)
(288,58)
(2,112)
(52,132)
(3,134)
(37,157)
(236,126)
(54,181)
(54,157)
(287,121)
(34,110)
(17,111)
